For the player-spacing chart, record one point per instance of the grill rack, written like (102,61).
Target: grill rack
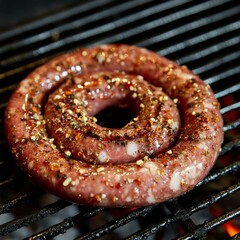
(204,35)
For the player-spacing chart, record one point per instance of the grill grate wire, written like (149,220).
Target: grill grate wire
(204,35)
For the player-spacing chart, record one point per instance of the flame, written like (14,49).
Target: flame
(229,226)
(231,229)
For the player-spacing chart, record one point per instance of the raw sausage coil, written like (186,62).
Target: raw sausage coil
(51,128)
(70,111)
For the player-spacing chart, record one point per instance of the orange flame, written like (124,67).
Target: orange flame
(231,229)
(229,226)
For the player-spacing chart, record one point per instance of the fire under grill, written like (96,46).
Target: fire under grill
(205,36)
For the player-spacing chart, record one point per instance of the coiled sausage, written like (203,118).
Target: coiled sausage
(146,162)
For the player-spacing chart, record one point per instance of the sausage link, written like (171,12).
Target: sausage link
(146,162)
(70,111)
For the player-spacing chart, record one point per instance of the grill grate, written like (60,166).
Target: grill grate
(204,35)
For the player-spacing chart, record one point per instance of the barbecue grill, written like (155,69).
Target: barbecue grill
(205,36)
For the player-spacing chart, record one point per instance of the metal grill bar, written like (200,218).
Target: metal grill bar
(104,28)
(23,199)
(206,227)
(116,223)
(86,34)
(66,224)
(24,67)
(6,207)
(223,75)
(231,168)
(228,91)
(186,223)
(52,19)
(232,125)
(186,213)
(207,36)
(189,26)
(230,108)
(6,182)
(213,54)
(226,60)
(153,25)
(75,24)
(163,21)
(27,220)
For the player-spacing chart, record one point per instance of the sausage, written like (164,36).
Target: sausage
(69,114)
(164,152)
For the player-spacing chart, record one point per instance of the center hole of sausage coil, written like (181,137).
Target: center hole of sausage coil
(115,116)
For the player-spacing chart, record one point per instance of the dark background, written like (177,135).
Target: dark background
(14,13)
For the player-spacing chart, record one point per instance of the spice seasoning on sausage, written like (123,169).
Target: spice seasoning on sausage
(86,141)
(53,133)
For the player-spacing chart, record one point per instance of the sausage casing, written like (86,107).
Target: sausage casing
(143,180)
